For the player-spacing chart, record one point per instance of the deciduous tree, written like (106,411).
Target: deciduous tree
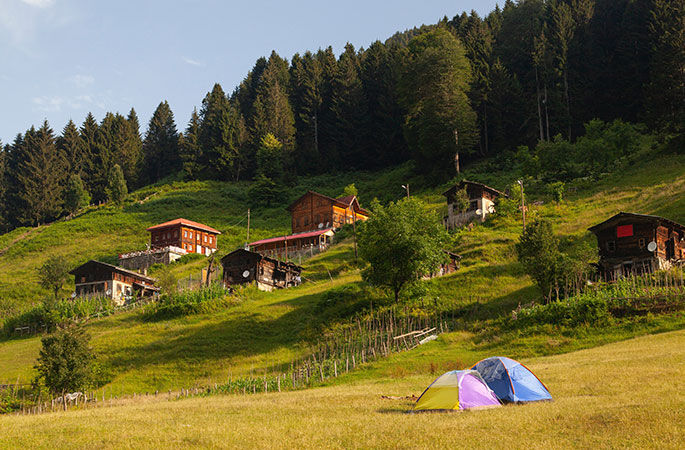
(402,242)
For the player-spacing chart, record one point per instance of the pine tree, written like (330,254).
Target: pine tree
(132,149)
(350,112)
(433,88)
(271,111)
(73,148)
(3,188)
(222,137)
(116,185)
(75,195)
(380,74)
(41,177)
(160,148)
(189,148)
(89,131)
(306,80)
(666,90)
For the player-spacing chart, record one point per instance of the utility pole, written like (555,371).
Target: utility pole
(354,230)
(523,205)
(248,225)
(456,155)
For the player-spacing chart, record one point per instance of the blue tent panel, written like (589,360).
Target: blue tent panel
(512,381)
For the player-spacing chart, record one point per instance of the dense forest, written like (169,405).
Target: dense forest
(532,73)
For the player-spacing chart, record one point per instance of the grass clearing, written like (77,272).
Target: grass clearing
(627,394)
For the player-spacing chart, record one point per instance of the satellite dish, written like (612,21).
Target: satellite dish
(491,209)
(651,246)
(320,225)
(246,274)
(479,212)
(109,292)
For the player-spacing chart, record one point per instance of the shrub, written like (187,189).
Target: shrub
(186,303)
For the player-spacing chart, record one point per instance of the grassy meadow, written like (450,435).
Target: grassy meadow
(623,395)
(260,331)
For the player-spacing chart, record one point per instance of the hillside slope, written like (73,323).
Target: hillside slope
(604,397)
(264,330)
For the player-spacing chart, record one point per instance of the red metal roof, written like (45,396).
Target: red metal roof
(184,222)
(291,237)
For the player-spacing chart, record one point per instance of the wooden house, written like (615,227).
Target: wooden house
(298,244)
(96,278)
(243,266)
(451,266)
(314,211)
(481,203)
(185,234)
(632,243)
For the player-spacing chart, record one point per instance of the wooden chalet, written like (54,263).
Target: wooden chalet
(243,266)
(285,247)
(451,266)
(481,203)
(96,278)
(192,237)
(314,211)
(632,243)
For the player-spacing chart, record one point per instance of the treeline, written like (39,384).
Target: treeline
(532,71)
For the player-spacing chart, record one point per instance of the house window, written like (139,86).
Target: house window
(210,239)
(641,242)
(175,233)
(611,246)
(185,233)
(156,237)
(191,235)
(168,235)
(205,237)
(306,220)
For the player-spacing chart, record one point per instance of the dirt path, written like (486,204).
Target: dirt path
(22,236)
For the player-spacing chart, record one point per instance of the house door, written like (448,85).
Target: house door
(199,249)
(670,248)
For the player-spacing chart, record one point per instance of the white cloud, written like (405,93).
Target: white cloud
(192,62)
(81,81)
(47,103)
(39,3)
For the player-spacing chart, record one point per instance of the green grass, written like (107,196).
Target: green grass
(261,330)
(623,395)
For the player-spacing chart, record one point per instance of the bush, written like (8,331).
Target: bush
(185,303)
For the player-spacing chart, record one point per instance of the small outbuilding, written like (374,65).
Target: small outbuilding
(243,267)
(481,203)
(299,244)
(96,278)
(631,243)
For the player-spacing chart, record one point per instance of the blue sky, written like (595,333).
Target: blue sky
(61,59)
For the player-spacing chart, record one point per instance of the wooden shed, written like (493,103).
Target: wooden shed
(632,243)
(481,203)
(451,266)
(243,267)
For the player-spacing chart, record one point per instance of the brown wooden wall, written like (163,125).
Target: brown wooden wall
(312,210)
(183,237)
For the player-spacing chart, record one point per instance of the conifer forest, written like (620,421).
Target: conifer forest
(530,75)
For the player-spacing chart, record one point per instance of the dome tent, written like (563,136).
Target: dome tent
(511,381)
(457,390)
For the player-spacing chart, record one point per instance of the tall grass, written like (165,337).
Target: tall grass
(204,300)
